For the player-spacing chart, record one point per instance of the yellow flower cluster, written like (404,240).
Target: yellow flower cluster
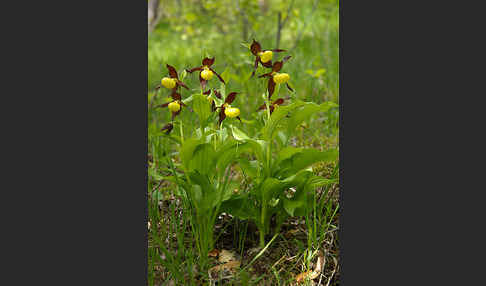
(207,74)
(231,112)
(174,106)
(280,78)
(168,82)
(266,56)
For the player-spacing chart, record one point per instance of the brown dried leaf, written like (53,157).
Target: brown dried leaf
(214,253)
(312,274)
(229,266)
(226,256)
(291,233)
(303,276)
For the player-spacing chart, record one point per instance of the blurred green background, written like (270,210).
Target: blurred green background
(183,32)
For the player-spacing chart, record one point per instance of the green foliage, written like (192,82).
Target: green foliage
(258,168)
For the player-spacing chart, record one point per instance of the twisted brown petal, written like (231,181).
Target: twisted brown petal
(286,59)
(174,114)
(265,75)
(278,50)
(172,71)
(277,66)
(257,59)
(181,84)
(207,92)
(267,64)
(271,87)
(168,127)
(222,116)
(218,95)
(255,47)
(278,101)
(194,69)
(230,98)
(175,95)
(262,107)
(220,78)
(163,105)
(208,62)
(272,108)
(288,86)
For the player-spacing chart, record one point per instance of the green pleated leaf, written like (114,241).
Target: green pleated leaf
(240,206)
(249,168)
(202,108)
(203,191)
(304,159)
(238,134)
(288,152)
(258,147)
(278,117)
(203,159)
(305,112)
(187,149)
(270,188)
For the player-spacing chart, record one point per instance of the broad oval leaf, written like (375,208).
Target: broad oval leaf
(304,159)
(305,112)
(270,188)
(277,117)
(202,108)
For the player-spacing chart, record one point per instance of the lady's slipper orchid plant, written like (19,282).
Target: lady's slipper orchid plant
(207,181)
(264,57)
(171,82)
(175,106)
(274,77)
(206,72)
(227,110)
